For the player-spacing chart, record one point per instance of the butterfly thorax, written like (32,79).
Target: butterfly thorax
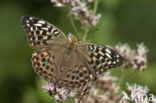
(72,43)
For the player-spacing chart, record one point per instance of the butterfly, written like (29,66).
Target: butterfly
(63,60)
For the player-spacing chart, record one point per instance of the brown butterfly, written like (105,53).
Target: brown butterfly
(63,60)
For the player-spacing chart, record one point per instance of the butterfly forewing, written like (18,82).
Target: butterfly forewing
(49,42)
(101,58)
(39,32)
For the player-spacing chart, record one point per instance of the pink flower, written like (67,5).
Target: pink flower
(140,60)
(80,10)
(104,91)
(137,59)
(59,93)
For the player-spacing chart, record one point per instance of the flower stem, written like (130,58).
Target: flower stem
(88,28)
(59,102)
(95,6)
(122,77)
(79,101)
(85,34)
(73,25)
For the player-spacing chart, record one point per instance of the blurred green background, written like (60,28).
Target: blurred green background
(126,21)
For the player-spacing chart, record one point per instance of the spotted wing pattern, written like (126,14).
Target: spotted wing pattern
(39,31)
(87,62)
(77,77)
(56,64)
(101,58)
(44,64)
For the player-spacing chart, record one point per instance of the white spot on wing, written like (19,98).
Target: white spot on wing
(101,57)
(114,62)
(27,21)
(28,25)
(90,47)
(104,63)
(109,62)
(56,32)
(38,24)
(31,28)
(95,54)
(117,56)
(108,55)
(94,58)
(45,28)
(41,32)
(108,51)
(101,52)
(42,22)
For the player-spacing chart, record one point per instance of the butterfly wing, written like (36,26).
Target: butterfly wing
(100,58)
(52,62)
(75,71)
(41,33)
(50,43)
(45,62)
(86,62)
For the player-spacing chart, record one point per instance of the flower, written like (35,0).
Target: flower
(59,93)
(140,60)
(80,10)
(137,59)
(125,98)
(66,2)
(90,0)
(154,99)
(138,94)
(104,91)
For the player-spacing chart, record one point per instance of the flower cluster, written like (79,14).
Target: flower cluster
(137,59)
(138,94)
(154,99)
(80,10)
(104,91)
(61,93)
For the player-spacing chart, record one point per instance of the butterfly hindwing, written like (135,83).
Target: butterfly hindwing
(39,31)
(78,76)
(43,62)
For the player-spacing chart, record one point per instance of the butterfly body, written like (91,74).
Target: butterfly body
(63,60)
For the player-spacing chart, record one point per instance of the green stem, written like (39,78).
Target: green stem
(122,77)
(73,25)
(85,34)
(59,102)
(95,6)
(121,80)
(81,97)
(88,28)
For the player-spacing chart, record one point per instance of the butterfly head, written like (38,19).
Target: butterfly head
(72,39)
(72,42)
